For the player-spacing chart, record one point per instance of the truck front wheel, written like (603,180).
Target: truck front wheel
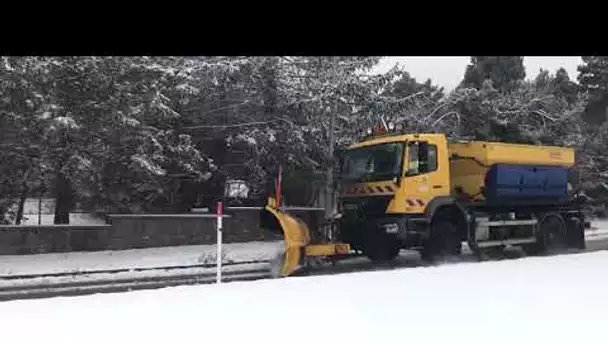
(381,248)
(444,240)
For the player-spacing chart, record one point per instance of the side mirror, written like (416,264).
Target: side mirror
(398,180)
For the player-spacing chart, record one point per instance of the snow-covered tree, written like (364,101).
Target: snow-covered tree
(558,85)
(407,86)
(104,127)
(135,134)
(278,109)
(593,78)
(22,108)
(506,72)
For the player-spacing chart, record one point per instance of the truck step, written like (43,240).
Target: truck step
(484,244)
(507,223)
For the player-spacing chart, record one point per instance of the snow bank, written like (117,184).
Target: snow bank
(135,258)
(134,276)
(598,230)
(77,219)
(559,298)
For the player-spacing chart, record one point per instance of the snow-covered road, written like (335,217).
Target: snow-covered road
(561,298)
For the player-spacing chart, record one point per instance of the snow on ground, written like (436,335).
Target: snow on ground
(136,258)
(75,219)
(599,230)
(561,298)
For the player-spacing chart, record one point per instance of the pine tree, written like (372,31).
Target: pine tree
(506,72)
(543,80)
(408,86)
(593,78)
(558,85)
(563,87)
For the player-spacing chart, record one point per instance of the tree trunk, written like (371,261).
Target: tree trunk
(24,193)
(22,200)
(186,195)
(329,182)
(63,199)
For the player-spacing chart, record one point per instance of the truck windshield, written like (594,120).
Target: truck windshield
(373,163)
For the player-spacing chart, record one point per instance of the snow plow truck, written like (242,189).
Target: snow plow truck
(421,192)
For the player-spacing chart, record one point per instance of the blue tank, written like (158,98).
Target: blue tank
(513,182)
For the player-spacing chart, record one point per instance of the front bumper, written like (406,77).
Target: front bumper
(402,226)
(410,231)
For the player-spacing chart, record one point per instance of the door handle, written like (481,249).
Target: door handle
(437,186)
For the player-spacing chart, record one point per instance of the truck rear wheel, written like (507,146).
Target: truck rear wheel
(552,236)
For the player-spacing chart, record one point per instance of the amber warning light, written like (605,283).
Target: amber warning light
(381,129)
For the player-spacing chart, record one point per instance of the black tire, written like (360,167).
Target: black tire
(444,240)
(552,236)
(381,248)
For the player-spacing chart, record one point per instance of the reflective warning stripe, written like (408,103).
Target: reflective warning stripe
(370,189)
(415,202)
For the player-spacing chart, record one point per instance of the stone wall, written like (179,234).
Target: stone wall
(132,231)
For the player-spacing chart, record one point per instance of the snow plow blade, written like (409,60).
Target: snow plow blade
(298,246)
(297,237)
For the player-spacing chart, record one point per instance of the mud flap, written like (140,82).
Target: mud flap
(576,232)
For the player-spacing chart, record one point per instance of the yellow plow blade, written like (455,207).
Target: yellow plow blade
(298,243)
(297,236)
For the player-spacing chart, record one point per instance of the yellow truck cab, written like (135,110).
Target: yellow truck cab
(419,191)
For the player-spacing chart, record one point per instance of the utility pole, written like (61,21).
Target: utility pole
(329,191)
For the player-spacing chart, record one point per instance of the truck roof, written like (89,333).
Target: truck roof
(391,138)
(490,153)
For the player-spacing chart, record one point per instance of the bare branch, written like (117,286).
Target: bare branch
(447,114)
(543,114)
(227,107)
(435,111)
(257,123)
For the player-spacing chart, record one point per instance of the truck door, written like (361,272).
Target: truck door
(426,174)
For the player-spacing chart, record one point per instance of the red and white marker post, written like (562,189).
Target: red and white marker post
(279,185)
(218,258)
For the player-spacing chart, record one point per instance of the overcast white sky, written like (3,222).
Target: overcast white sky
(448,71)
